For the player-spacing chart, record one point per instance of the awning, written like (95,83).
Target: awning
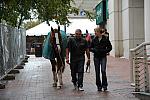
(42,29)
(83,24)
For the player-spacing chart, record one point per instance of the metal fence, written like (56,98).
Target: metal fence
(140,67)
(12,48)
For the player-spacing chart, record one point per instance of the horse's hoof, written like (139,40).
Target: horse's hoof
(59,87)
(54,84)
(61,83)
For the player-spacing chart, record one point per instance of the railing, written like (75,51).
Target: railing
(140,67)
(12,48)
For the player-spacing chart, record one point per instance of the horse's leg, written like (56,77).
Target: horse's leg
(59,71)
(53,63)
(62,69)
(60,82)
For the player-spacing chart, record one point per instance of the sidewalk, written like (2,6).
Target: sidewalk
(34,82)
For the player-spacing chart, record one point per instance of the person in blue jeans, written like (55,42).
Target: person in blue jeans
(77,47)
(100,46)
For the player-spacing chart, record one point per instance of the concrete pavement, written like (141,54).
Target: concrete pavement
(34,82)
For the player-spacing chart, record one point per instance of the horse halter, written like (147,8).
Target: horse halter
(55,34)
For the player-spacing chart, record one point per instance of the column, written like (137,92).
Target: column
(147,20)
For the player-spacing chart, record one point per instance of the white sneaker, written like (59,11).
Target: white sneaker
(81,89)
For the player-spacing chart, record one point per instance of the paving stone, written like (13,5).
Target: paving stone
(34,82)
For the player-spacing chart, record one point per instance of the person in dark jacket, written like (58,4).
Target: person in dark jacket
(77,47)
(105,33)
(100,46)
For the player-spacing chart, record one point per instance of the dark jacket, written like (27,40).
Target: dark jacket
(100,48)
(77,48)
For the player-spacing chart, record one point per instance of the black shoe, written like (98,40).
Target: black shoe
(75,86)
(99,89)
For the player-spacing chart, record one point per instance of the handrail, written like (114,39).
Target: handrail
(139,76)
(139,46)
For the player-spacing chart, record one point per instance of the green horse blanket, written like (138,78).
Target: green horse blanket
(48,52)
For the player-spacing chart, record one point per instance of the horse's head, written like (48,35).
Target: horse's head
(56,39)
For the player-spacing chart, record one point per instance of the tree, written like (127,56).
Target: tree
(14,12)
(30,24)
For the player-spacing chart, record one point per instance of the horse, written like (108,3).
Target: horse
(54,50)
(58,61)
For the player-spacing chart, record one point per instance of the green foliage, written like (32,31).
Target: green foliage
(14,12)
(30,24)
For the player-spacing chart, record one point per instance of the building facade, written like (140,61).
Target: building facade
(128,25)
(127,21)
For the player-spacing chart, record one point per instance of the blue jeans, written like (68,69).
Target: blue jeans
(101,62)
(77,72)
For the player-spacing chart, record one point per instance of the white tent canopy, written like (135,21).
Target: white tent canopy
(83,24)
(42,29)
